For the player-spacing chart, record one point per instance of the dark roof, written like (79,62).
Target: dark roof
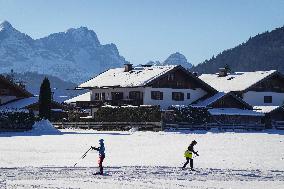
(202,84)
(208,101)
(22,92)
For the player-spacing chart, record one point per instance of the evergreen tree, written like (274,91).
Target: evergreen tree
(228,68)
(45,99)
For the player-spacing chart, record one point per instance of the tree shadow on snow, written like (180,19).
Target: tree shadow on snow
(93,133)
(31,133)
(27,133)
(216,131)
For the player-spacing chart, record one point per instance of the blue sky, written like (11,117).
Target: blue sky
(146,30)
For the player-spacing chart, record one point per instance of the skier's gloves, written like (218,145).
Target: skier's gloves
(93,148)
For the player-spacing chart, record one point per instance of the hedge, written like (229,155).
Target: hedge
(128,114)
(191,114)
(11,120)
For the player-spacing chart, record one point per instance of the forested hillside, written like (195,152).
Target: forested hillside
(263,52)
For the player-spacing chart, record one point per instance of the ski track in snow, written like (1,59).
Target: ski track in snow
(131,177)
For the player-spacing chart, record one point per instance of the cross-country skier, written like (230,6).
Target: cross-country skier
(101,150)
(188,155)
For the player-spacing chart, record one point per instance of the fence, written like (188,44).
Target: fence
(278,124)
(208,126)
(151,126)
(156,126)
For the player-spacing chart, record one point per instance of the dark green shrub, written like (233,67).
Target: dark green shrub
(191,115)
(129,114)
(22,120)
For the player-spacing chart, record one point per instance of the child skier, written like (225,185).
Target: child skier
(188,155)
(101,150)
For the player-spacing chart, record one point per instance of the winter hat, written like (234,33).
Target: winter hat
(101,140)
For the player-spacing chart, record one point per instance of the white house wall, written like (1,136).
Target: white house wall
(167,96)
(257,98)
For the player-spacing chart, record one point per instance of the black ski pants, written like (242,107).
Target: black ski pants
(187,161)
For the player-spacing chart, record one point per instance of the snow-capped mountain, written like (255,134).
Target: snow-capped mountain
(174,59)
(177,59)
(74,55)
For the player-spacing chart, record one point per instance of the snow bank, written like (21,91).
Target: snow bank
(45,127)
(133,130)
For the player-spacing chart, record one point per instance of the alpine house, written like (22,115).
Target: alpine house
(264,90)
(146,85)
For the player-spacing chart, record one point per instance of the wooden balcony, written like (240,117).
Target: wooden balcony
(89,104)
(121,102)
(99,103)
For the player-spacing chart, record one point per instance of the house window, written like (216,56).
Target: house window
(177,96)
(188,95)
(117,95)
(97,96)
(180,84)
(267,99)
(100,96)
(171,77)
(156,95)
(135,95)
(103,97)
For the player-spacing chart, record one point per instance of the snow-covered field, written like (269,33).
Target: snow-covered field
(44,158)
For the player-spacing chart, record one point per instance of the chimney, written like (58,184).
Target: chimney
(222,72)
(127,67)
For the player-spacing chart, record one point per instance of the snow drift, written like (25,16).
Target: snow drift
(44,127)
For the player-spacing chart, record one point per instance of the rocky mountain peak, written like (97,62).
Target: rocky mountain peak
(83,34)
(74,55)
(174,59)
(177,59)
(5,25)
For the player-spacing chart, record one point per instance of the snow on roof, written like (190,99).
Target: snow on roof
(265,109)
(238,81)
(138,76)
(209,100)
(19,104)
(83,97)
(233,111)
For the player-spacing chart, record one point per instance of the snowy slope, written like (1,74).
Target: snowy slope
(74,55)
(142,160)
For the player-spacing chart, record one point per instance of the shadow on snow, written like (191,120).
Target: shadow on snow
(31,133)
(216,131)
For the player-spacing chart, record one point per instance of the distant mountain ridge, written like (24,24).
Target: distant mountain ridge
(174,59)
(263,52)
(74,55)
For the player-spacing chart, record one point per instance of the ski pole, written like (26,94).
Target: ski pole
(83,156)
